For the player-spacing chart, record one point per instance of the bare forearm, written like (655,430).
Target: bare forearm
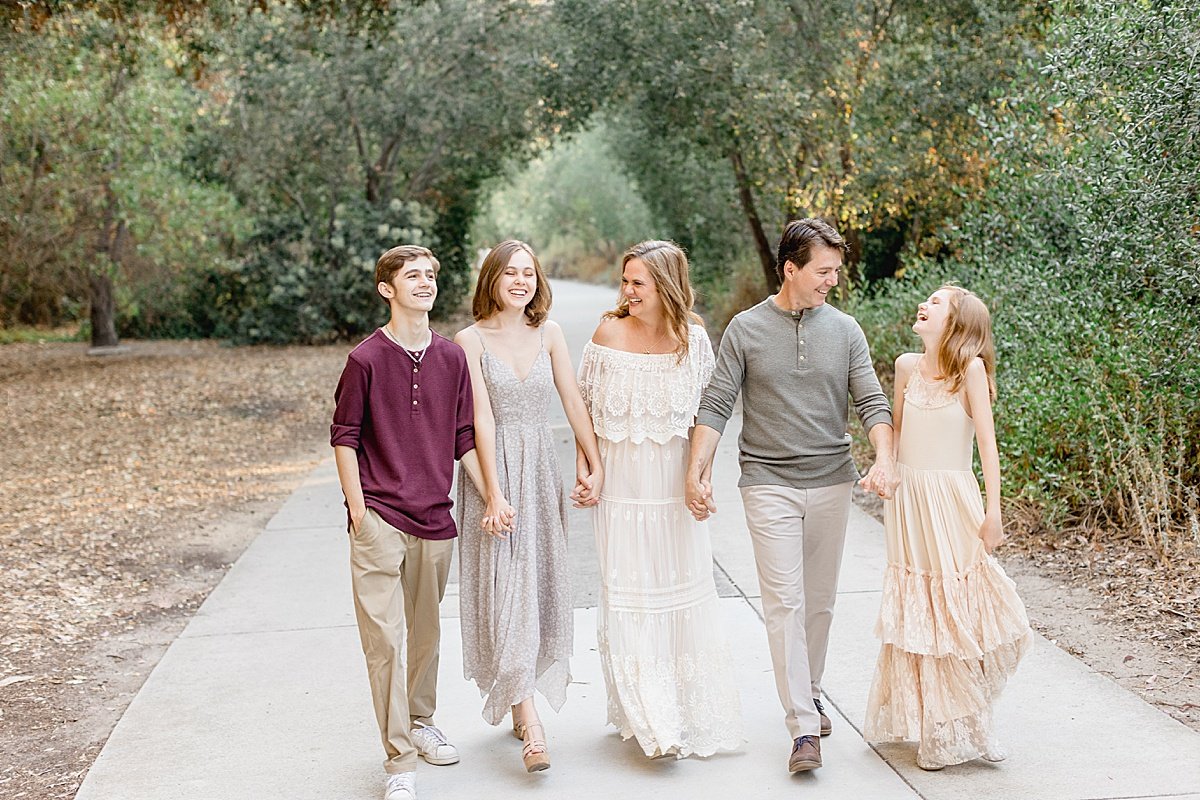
(990,460)
(485,450)
(881,437)
(581,426)
(470,462)
(704,442)
(347,466)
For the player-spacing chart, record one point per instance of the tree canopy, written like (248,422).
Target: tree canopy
(227,169)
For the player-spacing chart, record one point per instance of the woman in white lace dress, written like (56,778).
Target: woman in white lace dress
(666,664)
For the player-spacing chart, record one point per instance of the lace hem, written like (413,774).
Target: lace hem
(963,615)
(943,704)
(686,705)
(639,397)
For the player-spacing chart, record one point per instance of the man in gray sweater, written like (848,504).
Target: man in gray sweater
(798,362)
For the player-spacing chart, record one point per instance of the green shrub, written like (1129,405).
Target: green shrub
(291,288)
(1086,247)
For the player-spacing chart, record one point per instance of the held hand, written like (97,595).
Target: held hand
(586,492)
(498,517)
(991,532)
(881,479)
(698,498)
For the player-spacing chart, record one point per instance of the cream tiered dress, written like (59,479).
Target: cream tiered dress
(666,664)
(951,623)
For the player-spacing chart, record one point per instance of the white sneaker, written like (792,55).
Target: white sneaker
(401,786)
(432,745)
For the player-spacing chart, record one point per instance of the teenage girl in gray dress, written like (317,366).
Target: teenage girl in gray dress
(515,589)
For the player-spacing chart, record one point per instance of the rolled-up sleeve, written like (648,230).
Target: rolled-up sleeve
(870,403)
(716,405)
(464,439)
(350,399)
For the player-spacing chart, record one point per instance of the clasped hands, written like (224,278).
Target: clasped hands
(498,517)
(698,498)
(586,492)
(881,479)
(588,482)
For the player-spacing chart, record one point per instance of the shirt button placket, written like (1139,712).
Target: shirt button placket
(800,350)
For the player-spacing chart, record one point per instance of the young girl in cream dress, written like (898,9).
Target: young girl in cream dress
(951,623)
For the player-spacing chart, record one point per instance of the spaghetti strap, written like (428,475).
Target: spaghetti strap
(480,335)
(542,335)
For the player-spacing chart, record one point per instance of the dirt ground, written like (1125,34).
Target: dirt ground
(129,484)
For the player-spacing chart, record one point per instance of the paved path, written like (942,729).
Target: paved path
(264,695)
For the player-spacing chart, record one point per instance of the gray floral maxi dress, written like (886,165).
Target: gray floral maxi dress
(515,593)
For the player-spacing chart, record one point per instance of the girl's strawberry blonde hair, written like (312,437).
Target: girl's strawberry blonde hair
(967,336)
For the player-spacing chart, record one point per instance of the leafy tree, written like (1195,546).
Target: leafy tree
(796,105)
(1086,243)
(329,117)
(96,200)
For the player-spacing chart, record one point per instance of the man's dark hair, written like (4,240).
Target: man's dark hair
(800,236)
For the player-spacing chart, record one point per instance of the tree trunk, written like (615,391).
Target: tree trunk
(110,248)
(104,310)
(853,257)
(761,244)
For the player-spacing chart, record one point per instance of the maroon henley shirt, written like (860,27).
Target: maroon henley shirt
(408,423)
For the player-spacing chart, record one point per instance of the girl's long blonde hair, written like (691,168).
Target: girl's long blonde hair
(967,336)
(668,267)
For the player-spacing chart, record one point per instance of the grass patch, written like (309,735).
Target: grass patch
(38,335)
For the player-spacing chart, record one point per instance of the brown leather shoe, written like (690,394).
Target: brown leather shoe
(826,725)
(806,754)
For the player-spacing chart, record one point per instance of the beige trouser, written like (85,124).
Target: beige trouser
(798,536)
(398,582)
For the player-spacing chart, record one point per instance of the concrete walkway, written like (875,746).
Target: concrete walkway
(264,695)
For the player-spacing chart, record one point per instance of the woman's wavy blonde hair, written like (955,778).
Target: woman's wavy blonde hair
(486,302)
(967,336)
(668,266)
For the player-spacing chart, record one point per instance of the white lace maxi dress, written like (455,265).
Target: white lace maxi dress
(666,663)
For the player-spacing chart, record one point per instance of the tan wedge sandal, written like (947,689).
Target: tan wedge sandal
(518,726)
(534,754)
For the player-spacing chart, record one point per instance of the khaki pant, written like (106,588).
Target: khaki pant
(798,535)
(399,581)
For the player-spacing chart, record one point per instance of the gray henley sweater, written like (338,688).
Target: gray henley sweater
(798,370)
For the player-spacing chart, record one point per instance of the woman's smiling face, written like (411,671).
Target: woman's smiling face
(639,289)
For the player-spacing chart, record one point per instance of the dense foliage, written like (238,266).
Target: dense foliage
(1087,245)
(172,167)
(745,114)
(94,188)
(325,137)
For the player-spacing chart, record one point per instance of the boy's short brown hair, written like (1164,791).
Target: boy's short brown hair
(394,260)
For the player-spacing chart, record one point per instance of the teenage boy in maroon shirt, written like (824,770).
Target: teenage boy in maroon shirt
(404,414)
